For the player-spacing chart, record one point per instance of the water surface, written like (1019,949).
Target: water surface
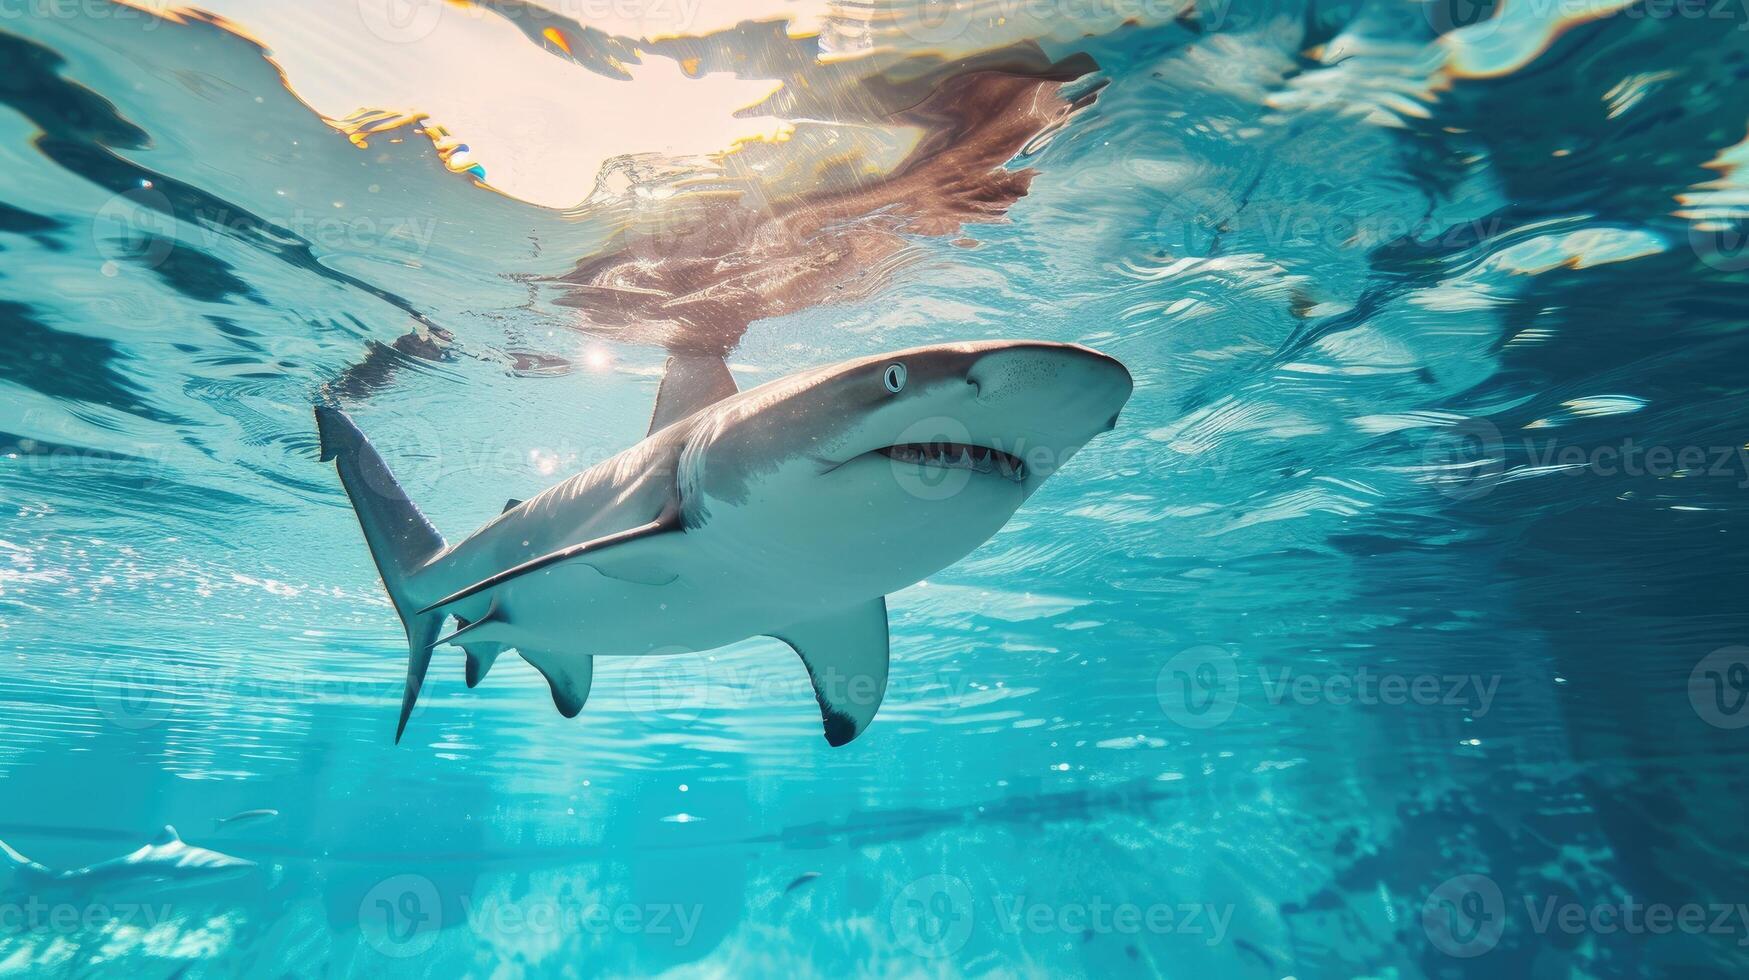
(1404,606)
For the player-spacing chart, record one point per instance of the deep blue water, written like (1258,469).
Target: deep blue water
(1398,630)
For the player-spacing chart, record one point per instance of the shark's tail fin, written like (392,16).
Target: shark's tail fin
(401,540)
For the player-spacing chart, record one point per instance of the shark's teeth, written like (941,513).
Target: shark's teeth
(954,455)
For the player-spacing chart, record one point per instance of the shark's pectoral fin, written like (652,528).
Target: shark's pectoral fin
(15,859)
(569,675)
(690,382)
(668,522)
(846,656)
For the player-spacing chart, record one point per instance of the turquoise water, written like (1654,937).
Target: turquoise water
(1397,630)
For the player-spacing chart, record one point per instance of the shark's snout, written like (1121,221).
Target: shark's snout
(1080,386)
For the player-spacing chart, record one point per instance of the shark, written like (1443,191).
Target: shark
(789,510)
(166,862)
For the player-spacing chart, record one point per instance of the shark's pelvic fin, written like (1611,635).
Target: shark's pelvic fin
(510,505)
(568,675)
(464,627)
(481,657)
(690,382)
(668,521)
(483,652)
(846,657)
(401,540)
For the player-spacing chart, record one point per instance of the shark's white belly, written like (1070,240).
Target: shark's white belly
(574,609)
(710,600)
(752,569)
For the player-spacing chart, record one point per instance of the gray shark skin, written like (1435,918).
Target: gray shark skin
(246,818)
(165,863)
(789,510)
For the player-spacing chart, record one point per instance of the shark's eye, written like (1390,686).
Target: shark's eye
(894,378)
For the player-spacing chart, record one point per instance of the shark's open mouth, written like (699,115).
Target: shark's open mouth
(959,456)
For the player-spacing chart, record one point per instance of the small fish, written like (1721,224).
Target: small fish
(246,816)
(805,877)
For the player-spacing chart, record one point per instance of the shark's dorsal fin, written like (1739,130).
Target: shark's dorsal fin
(668,521)
(569,675)
(167,837)
(690,382)
(846,656)
(510,505)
